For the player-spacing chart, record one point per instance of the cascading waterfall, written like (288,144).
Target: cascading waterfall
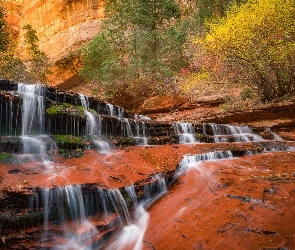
(93,127)
(189,161)
(33,124)
(140,135)
(185,132)
(131,236)
(135,129)
(225,133)
(75,209)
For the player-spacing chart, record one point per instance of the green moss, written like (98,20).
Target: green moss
(53,111)
(66,153)
(80,108)
(68,140)
(6,158)
(65,108)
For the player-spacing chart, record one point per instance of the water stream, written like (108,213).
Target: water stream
(70,213)
(93,127)
(185,132)
(34,139)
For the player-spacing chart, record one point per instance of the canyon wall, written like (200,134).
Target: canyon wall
(62,27)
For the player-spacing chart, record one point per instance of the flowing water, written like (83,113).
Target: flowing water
(227,133)
(72,212)
(74,209)
(93,127)
(185,132)
(34,139)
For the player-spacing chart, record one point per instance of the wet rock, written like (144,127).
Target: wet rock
(14,171)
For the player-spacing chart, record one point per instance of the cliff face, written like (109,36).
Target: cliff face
(62,26)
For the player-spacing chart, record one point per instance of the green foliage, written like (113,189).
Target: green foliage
(38,64)
(32,70)
(139,48)
(210,8)
(66,153)
(67,109)
(246,93)
(6,158)
(68,141)
(258,37)
(53,111)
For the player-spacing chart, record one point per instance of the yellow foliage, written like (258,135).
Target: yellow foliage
(192,82)
(258,29)
(261,35)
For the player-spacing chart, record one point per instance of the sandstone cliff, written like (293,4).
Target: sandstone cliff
(62,27)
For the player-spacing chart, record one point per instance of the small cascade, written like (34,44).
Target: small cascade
(67,204)
(111,110)
(185,132)
(140,136)
(76,210)
(34,141)
(190,161)
(131,236)
(93,127)
(135,129)
(229,133)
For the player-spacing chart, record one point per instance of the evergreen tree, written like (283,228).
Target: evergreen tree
(140,42)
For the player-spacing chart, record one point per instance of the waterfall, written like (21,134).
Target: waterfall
(93,127)
(131,236)
(75,209)
(34,141)
(135,129)
(226,133)
(111,111)
(185,132)
(140,136)
(190,161)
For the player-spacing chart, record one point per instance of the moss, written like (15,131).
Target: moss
(80,108)
(69,141)
(66,153)
(6,158)
(53,111)
(65,109)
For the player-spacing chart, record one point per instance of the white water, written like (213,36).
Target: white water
(138,133)
(222,133)
(69,204)
(185,132)
(93,127)
(34,140)
(131,236)
(190,161)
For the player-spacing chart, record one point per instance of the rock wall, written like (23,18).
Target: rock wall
(62,27)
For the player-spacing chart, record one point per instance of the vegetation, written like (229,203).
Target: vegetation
(66,108)
(34,67)
(6,158)
(257,39)
(140,47)
(37,63)
(4,35)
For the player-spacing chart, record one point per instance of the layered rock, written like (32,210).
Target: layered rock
(62,26)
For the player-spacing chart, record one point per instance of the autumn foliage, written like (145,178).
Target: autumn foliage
(259,38)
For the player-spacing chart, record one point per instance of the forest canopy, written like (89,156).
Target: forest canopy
(259,38)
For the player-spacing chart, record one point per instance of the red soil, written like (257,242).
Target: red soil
(208,209)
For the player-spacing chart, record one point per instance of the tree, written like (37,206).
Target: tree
(259,37)
(140,45)
(208,9)
(4,34)
(37,63)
